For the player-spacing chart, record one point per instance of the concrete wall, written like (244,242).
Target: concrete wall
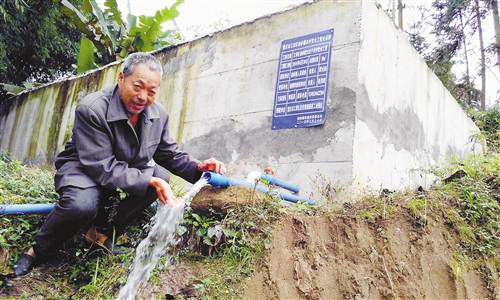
(35,125)
(219,92)
(406,120)
(230,103)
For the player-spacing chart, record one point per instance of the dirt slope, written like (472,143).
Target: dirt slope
(349,258)
(326,255)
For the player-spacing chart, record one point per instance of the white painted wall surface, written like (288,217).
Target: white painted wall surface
(232,95)
(406,120)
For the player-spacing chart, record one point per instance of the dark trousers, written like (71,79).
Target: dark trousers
(80,208)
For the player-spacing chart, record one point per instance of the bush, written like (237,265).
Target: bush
(21,184)
(489,123)
(473,200)
(32,184)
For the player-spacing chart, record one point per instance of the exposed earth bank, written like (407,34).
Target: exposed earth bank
(318,257)
(383,248)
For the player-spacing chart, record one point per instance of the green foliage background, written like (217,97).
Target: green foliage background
(36,41)
(107,37)
(489,123)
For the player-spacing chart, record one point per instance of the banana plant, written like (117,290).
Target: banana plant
(11,89)
(106,37)
(14,90)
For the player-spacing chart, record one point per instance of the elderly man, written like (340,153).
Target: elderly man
(120,140)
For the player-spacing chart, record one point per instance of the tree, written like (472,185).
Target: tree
(466,56)
(477,10)
(108,38)
(496,24)
(454,22)
(37,43)
(441,62)
(415,34)
(400,14)
(450,18)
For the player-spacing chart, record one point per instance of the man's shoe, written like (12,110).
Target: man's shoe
(92,237)
(24,265)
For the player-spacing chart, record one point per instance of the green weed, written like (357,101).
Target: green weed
(474,209)
(233,244)
(225,246)
(378,207)
(418,207)
(21,184)
(489,123)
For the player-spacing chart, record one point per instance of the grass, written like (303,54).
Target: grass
(225,247)
(473,208)
(376,207)
(418,209)
(489,123)
(229,247)
(468,205)
(21,184)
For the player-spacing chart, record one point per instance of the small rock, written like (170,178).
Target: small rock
(458,174)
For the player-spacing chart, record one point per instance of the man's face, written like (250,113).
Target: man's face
(139,89)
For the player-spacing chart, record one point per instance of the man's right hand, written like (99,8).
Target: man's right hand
(163,191)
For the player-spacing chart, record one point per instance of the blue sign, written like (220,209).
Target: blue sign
(302,83)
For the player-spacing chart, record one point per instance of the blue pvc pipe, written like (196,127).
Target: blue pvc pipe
(32,209)
(219,180)
(212,178)
(26,209)
(278,182)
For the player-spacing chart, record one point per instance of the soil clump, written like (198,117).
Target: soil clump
(219,200)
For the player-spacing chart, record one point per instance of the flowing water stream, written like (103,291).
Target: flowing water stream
(163,234)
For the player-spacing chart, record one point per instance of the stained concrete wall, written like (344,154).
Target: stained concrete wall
(406,120)
(219,92)
(35,125)
(231,98)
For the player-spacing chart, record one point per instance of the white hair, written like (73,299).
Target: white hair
(141,58)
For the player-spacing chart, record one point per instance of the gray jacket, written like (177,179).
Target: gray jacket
(104,149)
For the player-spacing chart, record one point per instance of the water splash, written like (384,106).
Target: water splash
(165,224)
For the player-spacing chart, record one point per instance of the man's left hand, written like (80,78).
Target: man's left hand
(212,165)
